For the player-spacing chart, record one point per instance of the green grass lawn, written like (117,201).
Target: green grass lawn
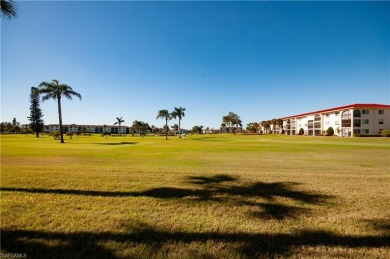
(211,196)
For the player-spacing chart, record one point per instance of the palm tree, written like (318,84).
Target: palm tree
(164,114)
(178,113)
(56,91)
(279,123)
(8,9)
(273,123)
(119,122)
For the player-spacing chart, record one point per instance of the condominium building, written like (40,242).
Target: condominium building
(88,128)
(345,120)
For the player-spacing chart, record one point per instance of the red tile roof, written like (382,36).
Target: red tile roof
(351,106)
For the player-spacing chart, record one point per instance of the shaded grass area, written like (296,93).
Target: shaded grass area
(207,196)
(212,190)
(89,245)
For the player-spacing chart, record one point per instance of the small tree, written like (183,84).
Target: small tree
(55,134)
(230,120)
(301,131)
(105,133)
(330,131)
(252,127)
(385,133)
(15,126)
(197,129)
(35,112)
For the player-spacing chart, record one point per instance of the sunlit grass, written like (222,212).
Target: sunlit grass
(200,196)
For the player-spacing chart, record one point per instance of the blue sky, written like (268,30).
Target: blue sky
(261,60)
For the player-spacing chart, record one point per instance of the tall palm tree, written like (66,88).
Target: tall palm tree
(8,8)
(56,91)
(164,114)
(273,123)
(178,113)
(119,122)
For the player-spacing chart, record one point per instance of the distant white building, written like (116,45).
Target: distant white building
(233,129)
(345,120)
(88,128)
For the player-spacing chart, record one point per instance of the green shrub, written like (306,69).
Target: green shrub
(301,131)
(70,134)
(330,131)
(55,134)
(385,133)
(366,135)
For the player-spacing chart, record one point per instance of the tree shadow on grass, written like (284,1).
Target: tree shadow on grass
(219,178)
(154,242)
(277,211)
(116,143)
(214,189)
(379,225)
(97,245)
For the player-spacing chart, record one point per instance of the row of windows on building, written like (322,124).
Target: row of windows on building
(112,130)
(356,123)
(356,113)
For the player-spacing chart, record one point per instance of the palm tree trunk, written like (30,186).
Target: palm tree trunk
(166,128)
(60,119)
(179,129)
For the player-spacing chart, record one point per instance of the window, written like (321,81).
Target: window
(356,131)
(356,113)
(381,112)
(337,123)
(346,119)
(365,131)
(310,124)
(327,115)
(336,113)
(356,123)
(381,121)
(365,122)
(365,112)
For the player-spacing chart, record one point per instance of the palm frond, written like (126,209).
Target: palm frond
(164,114)
(49,96)
(44,84)
(54,90)
(8,9)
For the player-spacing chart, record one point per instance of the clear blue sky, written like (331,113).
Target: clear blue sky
(261,60)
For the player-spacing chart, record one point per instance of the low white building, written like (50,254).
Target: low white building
(233,129)
(88,128)
(345,120)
